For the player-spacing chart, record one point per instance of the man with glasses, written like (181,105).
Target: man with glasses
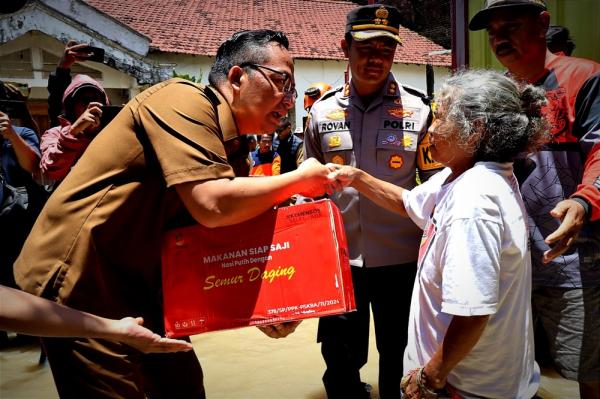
(378,125)
(160,164)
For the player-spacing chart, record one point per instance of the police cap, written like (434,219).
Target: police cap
(375,20)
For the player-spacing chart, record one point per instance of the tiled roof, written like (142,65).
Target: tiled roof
(197,27)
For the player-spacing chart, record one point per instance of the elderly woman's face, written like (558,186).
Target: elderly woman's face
(442,137)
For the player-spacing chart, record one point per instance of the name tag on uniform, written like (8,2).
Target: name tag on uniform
(403,124)
(325,127)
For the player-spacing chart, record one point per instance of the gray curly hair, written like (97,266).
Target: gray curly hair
(493,116)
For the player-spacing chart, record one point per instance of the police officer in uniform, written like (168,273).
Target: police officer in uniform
(378,125)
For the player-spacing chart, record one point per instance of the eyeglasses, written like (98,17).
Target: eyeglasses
(286,85)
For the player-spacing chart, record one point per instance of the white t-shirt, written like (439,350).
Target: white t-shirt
(474,260)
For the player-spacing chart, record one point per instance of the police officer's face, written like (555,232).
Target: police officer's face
(262,99)
(370,61)
(517,40)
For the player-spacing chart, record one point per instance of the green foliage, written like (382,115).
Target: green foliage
(188,77)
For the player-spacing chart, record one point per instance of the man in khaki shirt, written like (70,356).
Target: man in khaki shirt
(161,163)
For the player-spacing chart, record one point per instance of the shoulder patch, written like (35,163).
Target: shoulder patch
(328,94)
(331,93)
(417,93)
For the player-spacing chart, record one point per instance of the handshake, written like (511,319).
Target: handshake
(319,179)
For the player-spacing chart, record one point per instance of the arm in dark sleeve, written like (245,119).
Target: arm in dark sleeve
(58,81)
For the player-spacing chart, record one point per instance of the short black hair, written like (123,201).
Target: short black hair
(246,46)
(348,37)
(558,38)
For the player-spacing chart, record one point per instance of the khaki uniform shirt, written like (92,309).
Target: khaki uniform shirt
(96,246)
(387,139)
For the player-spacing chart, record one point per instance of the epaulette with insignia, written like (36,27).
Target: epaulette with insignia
(331,92)
(417,93)
(326,95)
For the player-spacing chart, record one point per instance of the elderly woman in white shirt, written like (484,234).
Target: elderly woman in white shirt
(470,331)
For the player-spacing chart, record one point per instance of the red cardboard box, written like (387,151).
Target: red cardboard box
(286,264)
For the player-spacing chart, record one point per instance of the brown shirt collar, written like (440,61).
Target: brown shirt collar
(226,120)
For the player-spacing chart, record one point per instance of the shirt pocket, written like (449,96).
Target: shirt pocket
(337,147)
(395,150)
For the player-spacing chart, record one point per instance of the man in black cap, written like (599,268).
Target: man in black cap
(560,186)
(376,124)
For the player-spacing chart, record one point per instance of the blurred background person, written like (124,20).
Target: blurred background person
(64,144)
(559,41)
(265,161)
(20,198)
(252,143)
(19,162)
(60,79)
(288,146)
(311,95)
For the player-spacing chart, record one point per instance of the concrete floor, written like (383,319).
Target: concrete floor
(238,364)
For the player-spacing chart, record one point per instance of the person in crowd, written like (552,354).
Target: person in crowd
(472,293)
(379,125)
(252,143)
(265,161)
(558,186)
(559,41)
(20,199)
(60,79)
(63,145)
(313,93)
(19,162)
(28,314)
(160,164)
(288,146)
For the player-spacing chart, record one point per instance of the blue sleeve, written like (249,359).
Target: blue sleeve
(30,138)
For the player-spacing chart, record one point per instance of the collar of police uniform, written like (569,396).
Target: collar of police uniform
(390,88)
(226,120)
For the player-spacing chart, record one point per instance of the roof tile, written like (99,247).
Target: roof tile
(198,27)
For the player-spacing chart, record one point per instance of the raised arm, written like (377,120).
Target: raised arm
(27,156)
